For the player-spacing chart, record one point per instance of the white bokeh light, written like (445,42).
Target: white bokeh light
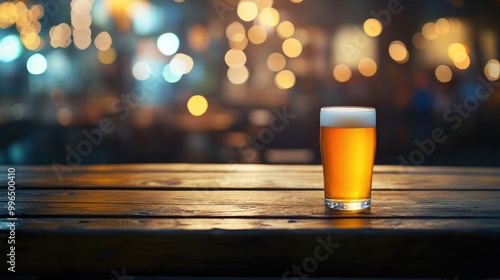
(141,70)
(36,64)
(168,43)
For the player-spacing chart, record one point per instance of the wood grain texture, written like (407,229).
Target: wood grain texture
(201,176)
(250,203)
(251,220)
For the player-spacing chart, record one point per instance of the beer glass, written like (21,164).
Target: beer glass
(347,143)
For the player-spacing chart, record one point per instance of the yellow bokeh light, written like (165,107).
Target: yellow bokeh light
(107,57)
(442,26)
(462,62)
(372,27)
(262,4)
(269,16)
(257,34)
(458,53)
(455,24)
(8,14)
(295,1)
(235,58)
(284,79)
(276,62)
(238,76)
(398,52)
(247,10)
(455,50)
(31,41)
(285,29)
(37,11)
(292,47)
(234,28)
(239,41)
(443,73)
(492,70)
(197,105)
(429,31)
(342,73)
(419,41)
(367,67)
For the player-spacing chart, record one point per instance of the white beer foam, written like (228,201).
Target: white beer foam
(347,116)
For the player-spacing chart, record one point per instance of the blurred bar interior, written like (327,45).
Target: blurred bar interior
(135,81)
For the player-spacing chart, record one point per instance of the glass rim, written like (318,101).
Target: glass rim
(348,108)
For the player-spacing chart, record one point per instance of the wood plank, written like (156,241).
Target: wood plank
(357,253)
(244,180)
(258,203)
(223,224)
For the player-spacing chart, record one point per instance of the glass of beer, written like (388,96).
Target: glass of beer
(347,143)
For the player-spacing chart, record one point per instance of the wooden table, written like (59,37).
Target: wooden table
(252,220)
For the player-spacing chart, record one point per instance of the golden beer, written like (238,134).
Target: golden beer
(347,142)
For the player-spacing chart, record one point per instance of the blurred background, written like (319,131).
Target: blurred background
(134,81)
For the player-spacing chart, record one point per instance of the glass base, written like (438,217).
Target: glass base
(347,204)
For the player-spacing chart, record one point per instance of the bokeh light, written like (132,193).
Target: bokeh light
(82,42)
(429,31)
(458,54)
(285,29)
(10,48)
(419,41)
(257,34)
(198,38)
(168,43)
(64,116)
(276,62)
(234,28)
(262,4)
(461,61)
(60,36)
(141,70)
(443,73)
(107,57)
(492,70)
(398,52)
(455,49)
(103,41)
(367,67)
(81,19)
(442,26)
(238,41)
(269,16)
(185,60)
(247,10)
(342,73)
(171,76)
(36,64)
(292,47)
(284,79)
(197,105)
(178,67)
(235,58)
(372,27)
(238,76)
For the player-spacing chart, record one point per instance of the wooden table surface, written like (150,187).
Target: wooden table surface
(252,220)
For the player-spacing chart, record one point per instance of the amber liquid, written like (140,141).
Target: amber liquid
(347,155)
